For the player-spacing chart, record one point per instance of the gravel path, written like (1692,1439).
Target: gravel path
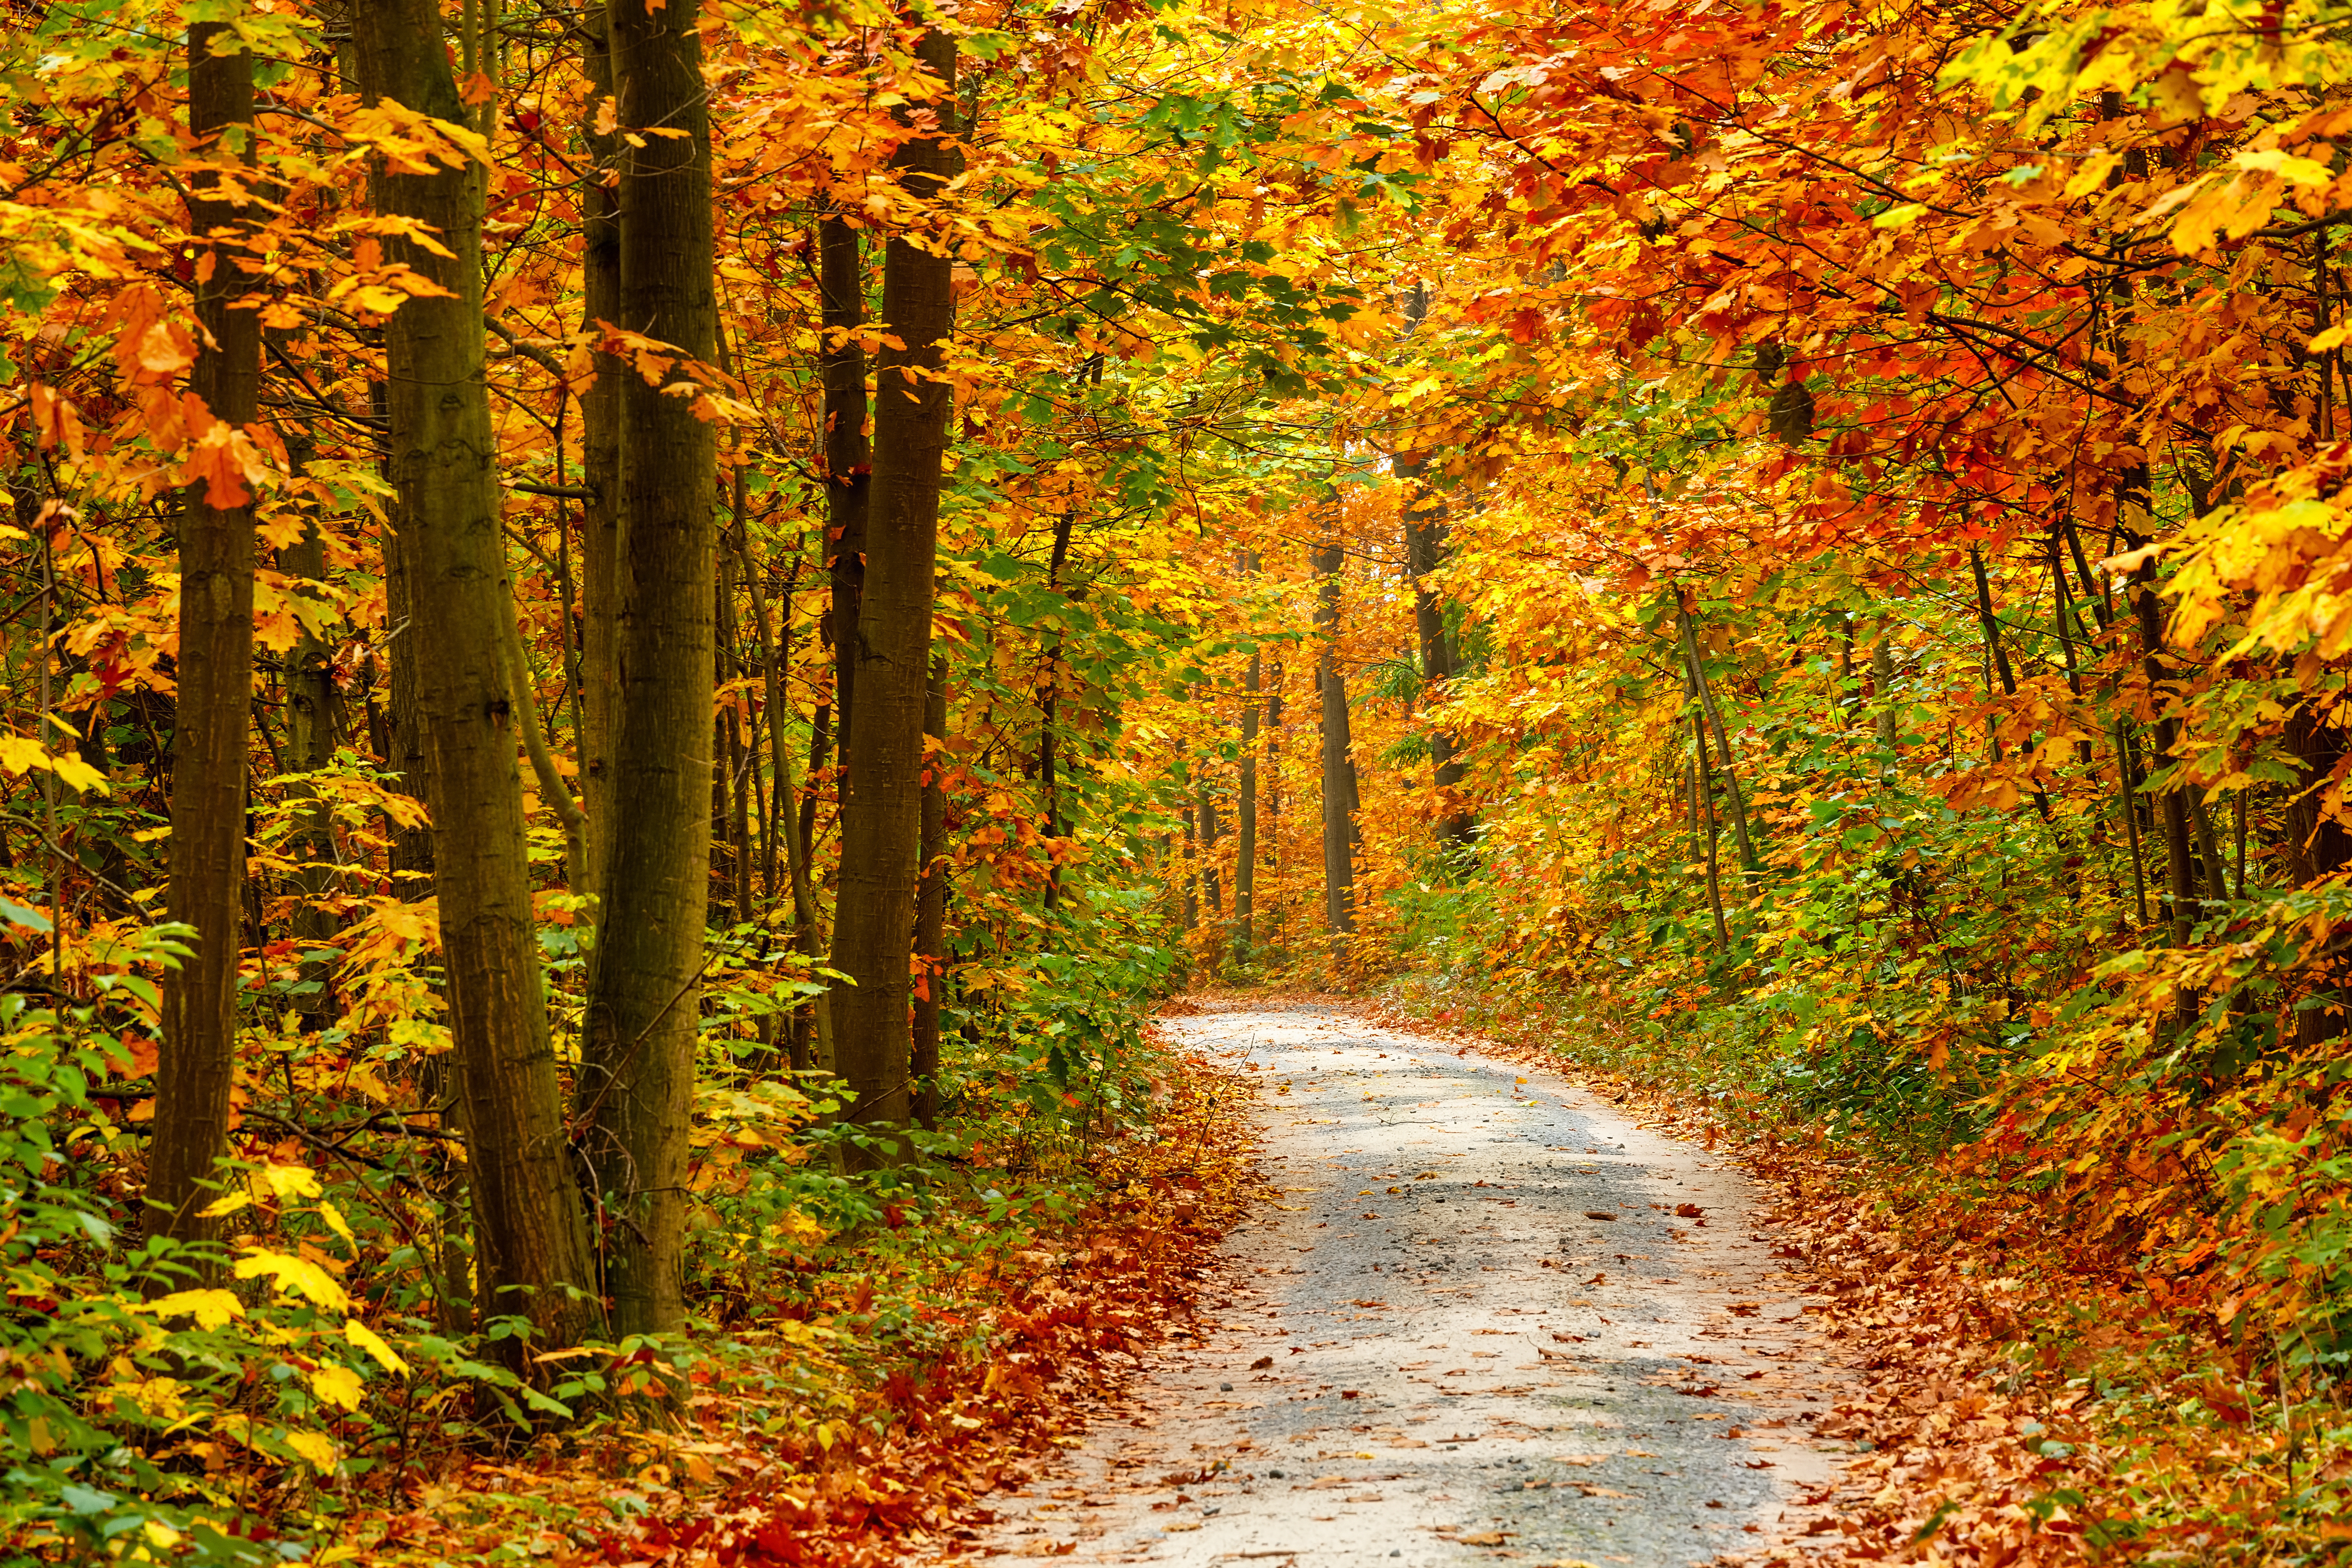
(1489,1316)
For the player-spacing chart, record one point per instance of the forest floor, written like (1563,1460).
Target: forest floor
(1482,1313)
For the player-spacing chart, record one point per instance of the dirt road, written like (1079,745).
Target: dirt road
(1489,1316)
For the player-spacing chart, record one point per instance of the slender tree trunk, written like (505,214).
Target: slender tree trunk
(1049,710)
(729,820)
(1703,796)
(1748,862)
(932,904)
(1190,867)
(1273,749)
(807,935)
(1339,797)
(600,462)
(636,1078)
(1425,553)
(1999,657)
(2179,873)
(1245,815)
(313,732)
(848,457)
(197,1058)
(881,816)
(1882,675)
(531,1256)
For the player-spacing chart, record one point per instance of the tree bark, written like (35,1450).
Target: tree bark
(1049,709)
(881,813)
(932,905)
(1425,553)
(312,731)
(197,1056)
(600,462)
(636,1076)
(531,1256)
(848,457)
(1712,716)
(1340,803)
(1245,817)
(791,825)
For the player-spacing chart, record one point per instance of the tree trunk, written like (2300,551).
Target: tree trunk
(533,1250)
(1339,797)
(636,1077)
(932,905)
(312,731)
(848,458)
(881,813)
(1713,717)
(1245,817)
(1049,709)
(198,1052)
(600,463)
(2180,879)
(1425,553)
(791,825)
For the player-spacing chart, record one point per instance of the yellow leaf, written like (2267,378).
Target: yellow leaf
(300,1274)
(79,774)
(211,1309)
(316,1448)
(335,1221)
(288,1181)
(368,1339)
(337,1385)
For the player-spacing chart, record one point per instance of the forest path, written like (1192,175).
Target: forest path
(1431,1349)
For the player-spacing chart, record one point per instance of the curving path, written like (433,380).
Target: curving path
(1487,1317)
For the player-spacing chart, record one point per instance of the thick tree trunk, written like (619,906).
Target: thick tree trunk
(636,1077)
(881,815)
(1340,796)
(532,1252)
(197,1056)
(932,905)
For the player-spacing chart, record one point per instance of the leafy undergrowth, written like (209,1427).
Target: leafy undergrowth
(2026,1396)
(908,1374)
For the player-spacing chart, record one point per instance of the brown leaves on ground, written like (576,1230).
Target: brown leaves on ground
(921,1441)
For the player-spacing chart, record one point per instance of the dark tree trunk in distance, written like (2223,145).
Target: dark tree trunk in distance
(1340,796)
